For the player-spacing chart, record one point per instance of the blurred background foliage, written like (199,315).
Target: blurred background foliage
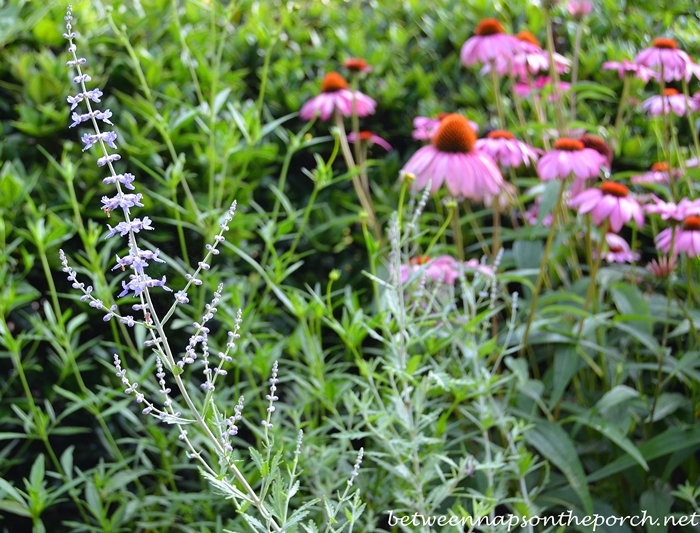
(204,96)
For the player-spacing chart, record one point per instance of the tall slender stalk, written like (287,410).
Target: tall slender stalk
(543,266)
(621,108)
(574,71)
(362,196)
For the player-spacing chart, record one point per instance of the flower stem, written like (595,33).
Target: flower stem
(592,286)
(621,108)
(457,231)
(665,109)
(691,122)
(475,227)
(519,110)
(496,230)
(362,196)
(497,97)
(450,215)
(543,265)
(574,72)
(554,75)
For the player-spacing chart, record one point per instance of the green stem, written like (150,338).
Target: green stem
(574,72)
(519,109)
(554,75)
(302,226)
(621,108)
(592,286)
(457,232)
(543,266)
(691,122)
(665,106)
(475,227)
(364,199)
(496,230)
(497,97)
(450,215)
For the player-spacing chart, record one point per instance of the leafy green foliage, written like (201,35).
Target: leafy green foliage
(453,421)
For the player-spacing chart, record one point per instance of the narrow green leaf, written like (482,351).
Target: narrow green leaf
(615,434)
(554,444)
(670,441)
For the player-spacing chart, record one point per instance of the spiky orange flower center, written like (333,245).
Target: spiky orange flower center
(365,135)
(691,223)
(333,82)
(454,135)
(614,189)
(419,260)
(597,144)
(500,134)
(671,92)
(659,167)
(355,64)
(528,37)
(568,145)
(663,42)
(489,27)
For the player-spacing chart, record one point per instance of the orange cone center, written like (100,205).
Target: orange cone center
(454,135)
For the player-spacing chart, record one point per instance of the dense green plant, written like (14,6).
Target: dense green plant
(595,413)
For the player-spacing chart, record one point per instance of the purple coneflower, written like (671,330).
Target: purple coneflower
(532,60)
(599,145)
(630,68)
(489,42)
(612,202)
(534,211)
(672,211)
(368,136)
(671,100)
(425,127)
(664,56)
(356,64)
(618,251)
(687,237)
(506,150)
(659,173)
(443,269)
(662,268)
(336,95)
(569,156)
(523,88)
(579,8)
(452,158)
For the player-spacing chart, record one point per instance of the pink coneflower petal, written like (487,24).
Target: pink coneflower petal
(489,42)
(611,202)
(569,156)
(368,136)
(452,159)
(627,67)
(506,150)
(335,95)
(664,56)
(618,250)
(579,8)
